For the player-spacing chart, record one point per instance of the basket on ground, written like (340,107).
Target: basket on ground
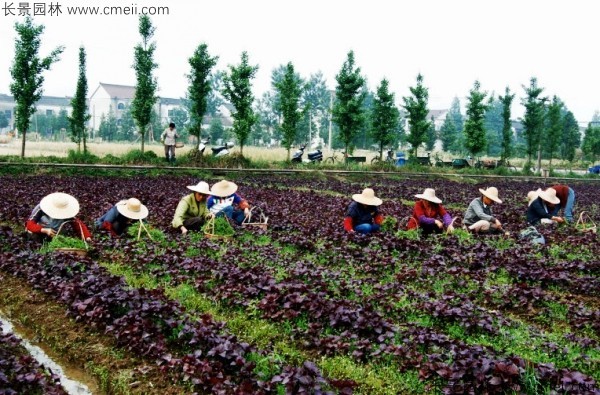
(256,218)
(585,223)
(218,228)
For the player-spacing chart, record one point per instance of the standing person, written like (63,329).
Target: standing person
(49,216)
(121,216)
(191,212)
(478,217)
(168,139)
(429,215)
(225,201)
(541,207)
(566,195)
(363,215)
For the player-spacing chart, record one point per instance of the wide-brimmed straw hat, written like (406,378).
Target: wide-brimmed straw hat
(549,195)
(532,195)
(60,205)
(367,197)
(429,195)
(201,187)
(491,193)
(132,208)
(223,188)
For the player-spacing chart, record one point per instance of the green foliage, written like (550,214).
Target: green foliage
(591,142)
(108,126)
(289,89)
(571,137)
(156,234)
(79,114)
(384,117)
(238,90)
(474,128)
(533,120)
(219,227)
(60,242)
(506,101)
(554,128)
(216,130)
(349,97)
(136,156)
(389,224)
(200,86)
(81,157)
(416,107)
(146,85)
(493,123)
(26,72)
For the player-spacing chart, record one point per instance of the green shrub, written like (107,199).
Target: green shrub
(81,157)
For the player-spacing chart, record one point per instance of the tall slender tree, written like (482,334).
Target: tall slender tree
(451,131)
(533,120)
(289,89)
(591,142)
(146,85)
(506,101)
(79,114)
(416,107)
(26,72)
(200,86)
(571,137)
(238,90)
(384,117)
(554,128)
(474,125)
(349,97)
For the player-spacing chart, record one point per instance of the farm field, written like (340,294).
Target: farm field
(304,307)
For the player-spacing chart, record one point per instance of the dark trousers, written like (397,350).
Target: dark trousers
(170,153)
(194,223)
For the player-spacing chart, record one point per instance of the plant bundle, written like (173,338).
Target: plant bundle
(218,226)
(60,242)
(389,224)
(155,234)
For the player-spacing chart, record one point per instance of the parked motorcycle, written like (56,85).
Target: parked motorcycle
(222,150)
(202,145)
(313,156)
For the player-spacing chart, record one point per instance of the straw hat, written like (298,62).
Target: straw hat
(132,208)
(367,197)
(60,205)
(532,195)
(202,187)
(491,193)
(549,195)
(429,195)
(223,188)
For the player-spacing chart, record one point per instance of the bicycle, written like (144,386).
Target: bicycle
(388,159)
(334,157)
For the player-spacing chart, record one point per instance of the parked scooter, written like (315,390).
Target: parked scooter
(202,145)
(297,156)
(222,150)
(313,156)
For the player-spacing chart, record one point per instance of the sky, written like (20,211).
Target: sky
(451,43)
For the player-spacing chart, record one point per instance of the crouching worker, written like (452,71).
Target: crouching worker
(121,216)
(225,201)
(478,217)
(429,215)
(191,212)
(363,215)
(542,207)
(53,212)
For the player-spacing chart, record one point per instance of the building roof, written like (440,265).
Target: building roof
(118,91)
(51,101)
(435,114)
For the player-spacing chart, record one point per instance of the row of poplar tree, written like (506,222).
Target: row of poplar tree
(360,117)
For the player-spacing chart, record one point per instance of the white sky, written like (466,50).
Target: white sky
(451,42)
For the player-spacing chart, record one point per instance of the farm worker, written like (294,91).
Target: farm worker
(566,195)
(225,201)
(121,215)
(478,216)
(363,215)
(168,137)
(429,215)
(49,216)
(541,207)
(191,212)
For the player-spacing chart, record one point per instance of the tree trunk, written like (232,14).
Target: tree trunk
(143,135)
(23,145)
(381,152)
(288,154)
(539,161)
